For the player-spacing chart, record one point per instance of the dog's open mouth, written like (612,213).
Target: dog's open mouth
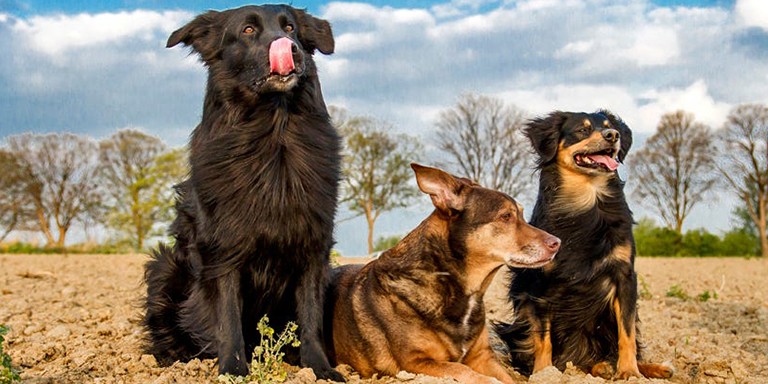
(604,160)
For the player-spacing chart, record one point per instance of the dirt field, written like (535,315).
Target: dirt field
(74,319)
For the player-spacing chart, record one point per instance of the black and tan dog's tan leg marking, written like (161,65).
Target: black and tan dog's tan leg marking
(542,345)
(626,366)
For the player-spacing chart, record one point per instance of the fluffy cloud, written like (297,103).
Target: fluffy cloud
(56,35)
(752,13)
(95,73)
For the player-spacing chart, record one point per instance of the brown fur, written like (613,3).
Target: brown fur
(419,307)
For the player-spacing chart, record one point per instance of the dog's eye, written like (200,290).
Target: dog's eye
(506,217)
(248,30)
(289,28)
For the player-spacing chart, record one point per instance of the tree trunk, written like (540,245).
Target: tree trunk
(62,237)
(761,227)
(45,227)
(370,218)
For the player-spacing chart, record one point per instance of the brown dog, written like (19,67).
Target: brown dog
(419,306)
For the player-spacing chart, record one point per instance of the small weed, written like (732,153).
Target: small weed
(8,374)
(677,291)
(706,295)
(645,291)
(267,364)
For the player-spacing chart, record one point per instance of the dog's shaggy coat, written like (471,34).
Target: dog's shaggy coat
(254,225)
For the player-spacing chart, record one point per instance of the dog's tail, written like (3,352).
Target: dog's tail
(168,276)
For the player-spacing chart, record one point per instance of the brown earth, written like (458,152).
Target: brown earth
(75,319)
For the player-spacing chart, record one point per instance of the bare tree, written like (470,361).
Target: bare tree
(15,207)
(483,137)
(743,143)
(376,168)
(139,172)
(59,178)
(673,170)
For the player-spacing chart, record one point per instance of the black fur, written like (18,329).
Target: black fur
(571,292)
(254,224)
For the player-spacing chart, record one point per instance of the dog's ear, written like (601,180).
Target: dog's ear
(544,134)
(199,33)
(314,33)
(624,132)
(442,187)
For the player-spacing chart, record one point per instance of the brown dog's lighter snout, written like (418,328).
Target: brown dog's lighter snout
(611,135)
(552,243)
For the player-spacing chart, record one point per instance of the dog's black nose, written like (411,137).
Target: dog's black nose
(611,135)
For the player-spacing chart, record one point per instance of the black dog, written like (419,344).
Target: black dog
(582,307)
(254,224)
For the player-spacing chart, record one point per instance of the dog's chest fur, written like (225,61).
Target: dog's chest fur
(272,173)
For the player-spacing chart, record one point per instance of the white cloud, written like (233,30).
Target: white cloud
(695,98)
(652,46)
(58,34)
(752,13)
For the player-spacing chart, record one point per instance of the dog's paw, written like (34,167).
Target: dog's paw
(629,373)
(329,374)
(603,370)
(657,371)
(233,366)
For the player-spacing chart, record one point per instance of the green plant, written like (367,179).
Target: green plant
(706,295)
(8,374)
(267,364)
(677,291)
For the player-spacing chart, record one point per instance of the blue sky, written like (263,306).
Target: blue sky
(93,67)
(35,7)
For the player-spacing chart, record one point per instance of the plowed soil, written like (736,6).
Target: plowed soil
(75,319)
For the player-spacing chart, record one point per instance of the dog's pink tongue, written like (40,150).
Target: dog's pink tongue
(608,161)
(281,56)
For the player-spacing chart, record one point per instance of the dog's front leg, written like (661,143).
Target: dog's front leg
(482,359)
(309,296)
(229,331)
(625,311)
(542,344)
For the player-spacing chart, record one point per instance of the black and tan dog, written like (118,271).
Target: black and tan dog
(582,307)
(419,306)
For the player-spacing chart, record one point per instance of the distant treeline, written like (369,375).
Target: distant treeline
(122,186)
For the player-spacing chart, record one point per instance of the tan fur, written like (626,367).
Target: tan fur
(626,366)
(542,348)
(623,253)
(579,191)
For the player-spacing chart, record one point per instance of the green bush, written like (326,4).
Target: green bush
(655,241)
(699,242)
(384,243)
(652,240)
(85,248)
(739,242)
